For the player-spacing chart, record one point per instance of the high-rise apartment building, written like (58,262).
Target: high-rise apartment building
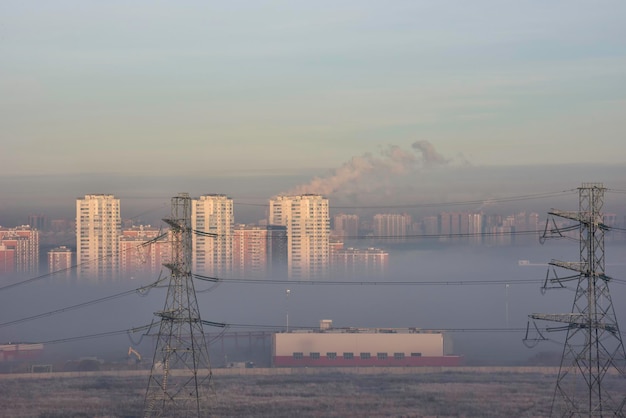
(7,260)
(20,247)
(475,227)
(259,251)
(346,226)
(250,255)
(98,225)
(308,230)
(391,225)
(430,225)
(60,261)
(37,221)
(212,219)
(141,253)
(277,252)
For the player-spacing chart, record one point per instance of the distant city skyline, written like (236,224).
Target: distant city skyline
(298,239)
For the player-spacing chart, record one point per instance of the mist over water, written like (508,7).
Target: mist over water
(457,307)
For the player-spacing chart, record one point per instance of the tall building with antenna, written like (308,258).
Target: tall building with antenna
(213,219)
(98,226)
(307,220)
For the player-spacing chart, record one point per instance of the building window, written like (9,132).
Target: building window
(315,356)
(398,356)
(365,356)
(331,356)
(348,356)
(416,354)
(298,356)
(381,356)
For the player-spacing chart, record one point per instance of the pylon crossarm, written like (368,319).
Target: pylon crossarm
(213,324)
(533,341)
(204,233)
(565,317)
(175,269)
(569,265)
(174,223)
(582,217)
(555,231)
(168,315)
(205,278)
(575,320)
(560,280)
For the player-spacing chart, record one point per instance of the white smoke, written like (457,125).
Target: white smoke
(429,155)
(369,171)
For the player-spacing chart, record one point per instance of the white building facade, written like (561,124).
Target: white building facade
(212,219)
(361,347)
(307,220)
(98,227)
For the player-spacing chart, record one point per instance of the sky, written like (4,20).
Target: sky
(253,88)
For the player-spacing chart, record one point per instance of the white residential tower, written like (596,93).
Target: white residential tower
(98,226)
(308,229)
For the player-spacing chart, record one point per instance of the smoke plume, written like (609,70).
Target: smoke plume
(429,155)
(367,171)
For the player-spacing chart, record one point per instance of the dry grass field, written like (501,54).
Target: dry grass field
(299,394)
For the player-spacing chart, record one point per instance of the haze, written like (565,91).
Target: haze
(371,104)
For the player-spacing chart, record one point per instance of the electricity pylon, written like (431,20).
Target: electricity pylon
(593,346)
(181,371)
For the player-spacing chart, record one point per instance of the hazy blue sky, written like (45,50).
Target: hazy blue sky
(199,86)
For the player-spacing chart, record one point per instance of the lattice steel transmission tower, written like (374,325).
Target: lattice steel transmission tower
(593,348)
(181,372)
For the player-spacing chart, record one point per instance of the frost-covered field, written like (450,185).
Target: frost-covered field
(327,394)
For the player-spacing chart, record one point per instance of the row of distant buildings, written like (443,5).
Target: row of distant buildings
(446,226)
(296,240)
(19,250)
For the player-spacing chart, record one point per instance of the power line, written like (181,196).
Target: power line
(83,304)
(348,329)
(451,236)
(437,204)
(280,328)
(287,282)
(99,335)
(276,281)
(367,283)
(75,266)
(265,326)
(511,232)
(43,276)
